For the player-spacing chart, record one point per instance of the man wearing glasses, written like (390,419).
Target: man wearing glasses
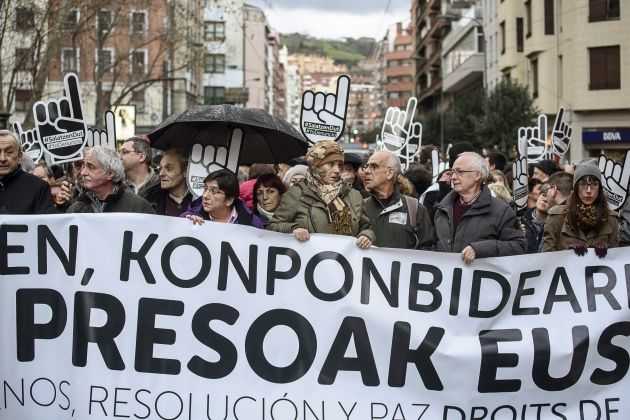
(398,221)
(472,222)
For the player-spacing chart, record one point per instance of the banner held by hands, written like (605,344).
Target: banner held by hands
(323,116)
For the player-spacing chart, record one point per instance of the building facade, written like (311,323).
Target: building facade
(399,65)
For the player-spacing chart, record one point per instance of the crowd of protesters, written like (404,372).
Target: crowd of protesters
(466,209)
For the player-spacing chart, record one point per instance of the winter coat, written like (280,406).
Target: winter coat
(392,224)
(152,182)
(159,198)
(122,200)
(23,193)
(302,207)
(490,226)
(533,231)
(624,224)
(243,215)
(560,235)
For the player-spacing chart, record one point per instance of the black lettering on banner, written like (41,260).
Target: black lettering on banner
(307,346)
(627,271)
(272,262)
(556,407)
(6,249)
(542,359)
(118,402)
(69,260)
(148,335)
(36,398)
(309,272)
(560,276)
(522,291)
(142,403)
(27,330)
(372,413)
(207,336)
(609,409)
(432,288)
(401,355)
(100,401)
(228,255)
(606,290)
(170,405)
(583,403)
(614,353)
(351,327)
(492,360)
(447,408)
(103,336)
(64,395)
(483,413)
(504,408)
(204,255)
(139,256)
(455,292)
(19,398)
(389,293)
(478,276)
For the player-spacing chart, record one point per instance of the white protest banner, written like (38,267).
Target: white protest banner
(615,180)
(136,316)
(205,159)
(323,116)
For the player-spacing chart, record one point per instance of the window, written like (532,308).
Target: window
(549,17)
(502,37)
(213,95)
(23,59)
(215,31)
(104,21)
(139,22)
(69,60)
(528,16)
(605,68)
(22,99)
(71,22)
(137,99)
(215,63)
(600,10)
(534,67)
(24,19)
(520,36)
(139,62)
(104,60)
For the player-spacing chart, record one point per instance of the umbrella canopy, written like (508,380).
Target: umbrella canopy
(266,139)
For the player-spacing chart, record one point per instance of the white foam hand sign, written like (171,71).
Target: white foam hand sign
(537,147)
(30,142)
(323,116)
(561,135)
(398,126)
(437,165)
(520,184)
(615,179)
(105,138)
(205,159)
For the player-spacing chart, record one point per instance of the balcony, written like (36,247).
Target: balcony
(399,87)
(398,55)
(468,72)
(399,71)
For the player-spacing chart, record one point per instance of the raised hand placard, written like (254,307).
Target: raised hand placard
(520,184)
(541,148)
(105,138)
(615,180)
(30,142)
(205,159)
(400,134)
(60,123)
(323,116)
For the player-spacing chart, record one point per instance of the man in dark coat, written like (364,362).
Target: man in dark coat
(397,220)
(103,178)
(472,222)
(171,196)
(20,192)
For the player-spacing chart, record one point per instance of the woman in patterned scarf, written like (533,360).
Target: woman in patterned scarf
(322,202)
(585,222)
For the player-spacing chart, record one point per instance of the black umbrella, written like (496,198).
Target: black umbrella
(266,139)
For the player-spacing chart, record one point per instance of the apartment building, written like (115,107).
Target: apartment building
(573,54)
(399,65)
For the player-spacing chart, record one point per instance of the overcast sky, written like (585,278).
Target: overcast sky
(334,18)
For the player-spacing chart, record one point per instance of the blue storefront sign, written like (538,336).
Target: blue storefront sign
(606,136)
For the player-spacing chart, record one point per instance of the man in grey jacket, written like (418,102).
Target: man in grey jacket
(472,222)
(398,221)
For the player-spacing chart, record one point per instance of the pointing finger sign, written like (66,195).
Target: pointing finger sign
(343,91)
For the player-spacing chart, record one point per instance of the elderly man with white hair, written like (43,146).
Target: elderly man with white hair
(103,178)
(20,192)
(472,222)
(399,221)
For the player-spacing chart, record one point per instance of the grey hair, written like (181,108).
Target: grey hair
(9,133)
(110,162)
(393,162)
(27,163)
(480,162)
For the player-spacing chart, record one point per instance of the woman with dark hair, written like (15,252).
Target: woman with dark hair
(586,222)
(220,203)
(268,191)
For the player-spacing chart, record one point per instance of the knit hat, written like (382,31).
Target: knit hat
(323,152)
(294,170)
(586,169)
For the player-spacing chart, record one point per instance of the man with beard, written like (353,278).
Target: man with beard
(171,196)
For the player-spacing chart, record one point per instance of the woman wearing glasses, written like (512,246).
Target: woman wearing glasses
(220,203)
(585,222)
